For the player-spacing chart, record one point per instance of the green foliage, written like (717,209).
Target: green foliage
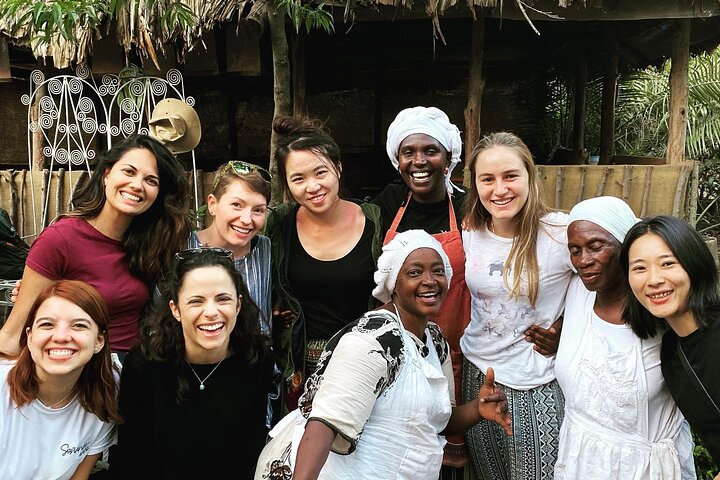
(641,122)
(705,468)
(47,18)
(309,15)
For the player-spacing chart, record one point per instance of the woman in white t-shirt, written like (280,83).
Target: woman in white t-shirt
(517,270)
(57,397)
(620,419)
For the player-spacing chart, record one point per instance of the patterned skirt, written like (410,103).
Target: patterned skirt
(531,452)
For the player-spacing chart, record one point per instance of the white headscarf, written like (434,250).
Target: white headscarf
(429,121)
(610,213)
(394,255)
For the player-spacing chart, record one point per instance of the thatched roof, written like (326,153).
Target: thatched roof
(147,32)
(137,24)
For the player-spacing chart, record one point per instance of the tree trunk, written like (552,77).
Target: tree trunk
(609,94)
(298,73)
(578,131)
(677,124)
(476,85)
(281,88)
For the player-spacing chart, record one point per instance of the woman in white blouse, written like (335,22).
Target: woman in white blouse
(620,420)
(380,401)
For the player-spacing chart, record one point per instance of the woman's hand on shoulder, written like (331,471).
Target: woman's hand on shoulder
(546,340)
(15,292)
(492,403)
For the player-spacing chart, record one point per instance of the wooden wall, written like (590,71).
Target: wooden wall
(648,189)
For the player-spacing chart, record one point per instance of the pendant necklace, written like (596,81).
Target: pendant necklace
(54,405)
(202,382)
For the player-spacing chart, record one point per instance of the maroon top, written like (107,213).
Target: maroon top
(72,249)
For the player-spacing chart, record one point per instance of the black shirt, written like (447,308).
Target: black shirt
(431,217)
(702,349)
(332,293)
(218,431)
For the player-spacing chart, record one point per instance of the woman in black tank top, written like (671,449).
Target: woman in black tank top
(324,250)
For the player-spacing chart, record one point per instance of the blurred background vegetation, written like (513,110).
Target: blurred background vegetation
(641,122)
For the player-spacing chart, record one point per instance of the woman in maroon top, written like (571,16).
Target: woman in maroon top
(129,219)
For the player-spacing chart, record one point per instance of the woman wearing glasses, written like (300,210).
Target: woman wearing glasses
(129,219)
(193,393)
(238,207)
(324,249)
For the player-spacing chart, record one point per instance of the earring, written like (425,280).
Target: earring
(96,350)
(446,170)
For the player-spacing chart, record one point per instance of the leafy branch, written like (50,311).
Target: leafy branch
(46,19)
(309,15)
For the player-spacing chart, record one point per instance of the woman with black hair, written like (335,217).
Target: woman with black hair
(193,394)
(129,218)
(324,250)
(674,280)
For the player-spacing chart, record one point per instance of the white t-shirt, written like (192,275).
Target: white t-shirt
(495,336)
(40,443)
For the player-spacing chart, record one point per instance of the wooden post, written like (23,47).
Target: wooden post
(578,132)
(298,73)
(677,124)
(476,86)
(609,94)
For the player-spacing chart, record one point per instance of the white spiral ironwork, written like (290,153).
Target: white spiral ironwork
(74,114)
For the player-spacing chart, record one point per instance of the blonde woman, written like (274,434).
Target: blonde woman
(517,270)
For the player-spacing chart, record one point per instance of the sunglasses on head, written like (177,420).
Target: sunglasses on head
(241,168)
(192,252)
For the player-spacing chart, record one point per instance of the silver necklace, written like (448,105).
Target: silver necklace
(54,405)
(202,382)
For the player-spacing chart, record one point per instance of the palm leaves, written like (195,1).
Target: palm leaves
(642,110)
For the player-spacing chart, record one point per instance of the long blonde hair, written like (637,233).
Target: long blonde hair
(523,253)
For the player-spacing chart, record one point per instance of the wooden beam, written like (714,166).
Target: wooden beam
(543,10)
(476,85)
(677,124)
(578,131)
(609,94)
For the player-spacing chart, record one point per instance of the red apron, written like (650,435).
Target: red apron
(454,315)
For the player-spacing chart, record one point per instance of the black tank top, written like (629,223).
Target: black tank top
(332,293)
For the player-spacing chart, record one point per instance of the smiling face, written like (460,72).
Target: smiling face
(421,162)
(238,215)
(207,309)
(658,280)
(421,284)
(132,184)
(313,182)
(62,339)
(594,253)
(502,182)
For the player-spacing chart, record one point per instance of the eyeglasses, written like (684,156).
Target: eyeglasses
(241,168)
(192,252)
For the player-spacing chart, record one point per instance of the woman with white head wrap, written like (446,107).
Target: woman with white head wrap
(620,420)
(425,147)
(386,377)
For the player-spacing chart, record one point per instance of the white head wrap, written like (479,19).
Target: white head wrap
(610,213)
(429,121)
(394,255)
